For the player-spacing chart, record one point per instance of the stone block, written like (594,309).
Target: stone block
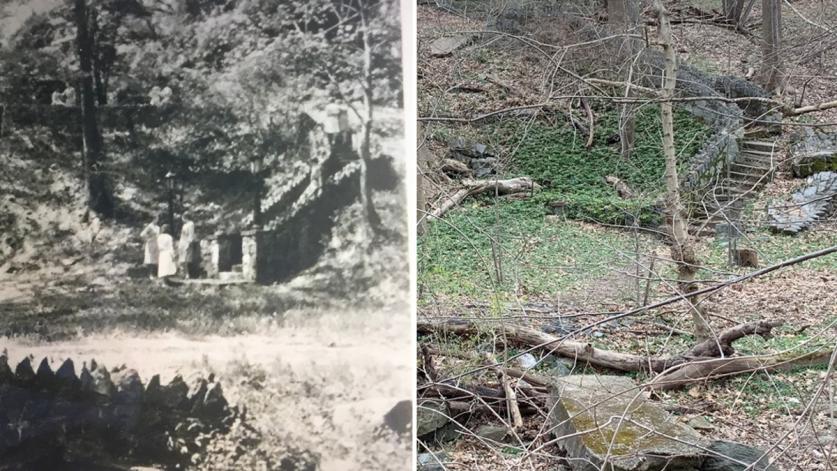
(607,423)
(249,254)
(446,45)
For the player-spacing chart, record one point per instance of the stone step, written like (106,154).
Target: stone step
(729,208)
(757,155)
(769,146)
(721,198)
(731,190)
(748,176)
(748,188)
(755,132)
(750,168)
(708,230)
(752,152)
(756,163)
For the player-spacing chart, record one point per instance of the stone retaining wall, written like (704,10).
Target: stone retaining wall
(108,416)
(727,120)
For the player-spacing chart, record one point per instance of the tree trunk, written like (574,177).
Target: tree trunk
(421,164)
(772,74)
(100,197)
(733,9)
(368,204)
(682,250)
(101,89)
(623,16)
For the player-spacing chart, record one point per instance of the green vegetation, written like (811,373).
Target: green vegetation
(557,158)
(760,390)
(457,255)
(537,256)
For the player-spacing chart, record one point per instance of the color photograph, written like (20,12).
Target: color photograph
(626,235)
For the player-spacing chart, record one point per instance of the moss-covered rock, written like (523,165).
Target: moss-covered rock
(607,423)
(814,151)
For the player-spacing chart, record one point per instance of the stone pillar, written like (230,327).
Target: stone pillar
(249,254)
(210,254)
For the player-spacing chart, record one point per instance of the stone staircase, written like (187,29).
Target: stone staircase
(741,181)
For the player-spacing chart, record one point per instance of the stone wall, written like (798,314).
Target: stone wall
(727,120)
(709,164)
(298,242)
(759,111)
(107,416)
(805,206)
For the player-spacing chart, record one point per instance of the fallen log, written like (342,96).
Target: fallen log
(473,187)
(715,368)
(709,347)
(579,351)
(622,188)
(455,167)
(696,365)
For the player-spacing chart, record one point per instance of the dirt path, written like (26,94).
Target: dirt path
(170,354)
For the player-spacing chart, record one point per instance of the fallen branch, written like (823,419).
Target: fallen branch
(492,397)
(472,187)
(455,167)
(709,347)
(591,119)
(695,365)
(622,188)
(714,368)
(585,352)
(511,401)
(811,108)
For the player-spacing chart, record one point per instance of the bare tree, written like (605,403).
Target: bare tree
(733,10)
(682,249)
(623,16)
(421,163)
(772,74)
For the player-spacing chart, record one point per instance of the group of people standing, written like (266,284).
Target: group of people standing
(162,258)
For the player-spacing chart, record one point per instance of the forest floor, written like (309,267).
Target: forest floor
(570,272)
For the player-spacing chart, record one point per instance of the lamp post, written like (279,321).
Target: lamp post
(170,185)
(256,170)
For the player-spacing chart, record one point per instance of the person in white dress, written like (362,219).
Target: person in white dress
(165,246)
(149,235)
(185,245)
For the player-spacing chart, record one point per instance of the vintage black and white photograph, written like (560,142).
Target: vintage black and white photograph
(203,236)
